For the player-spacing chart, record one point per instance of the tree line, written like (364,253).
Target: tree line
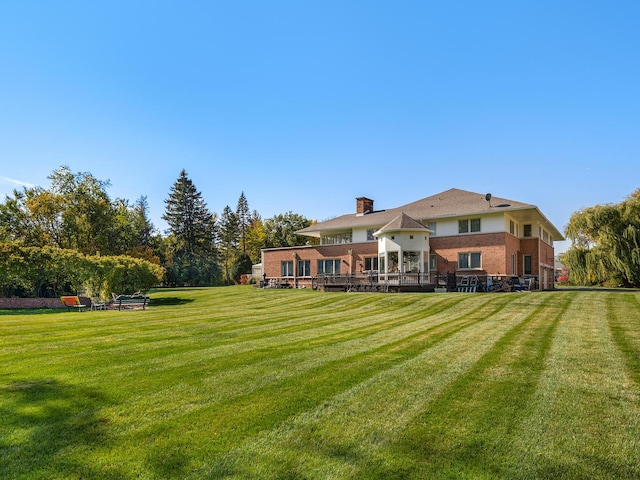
(200,248)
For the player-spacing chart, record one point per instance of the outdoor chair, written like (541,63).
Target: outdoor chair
(97,304)
(72,302)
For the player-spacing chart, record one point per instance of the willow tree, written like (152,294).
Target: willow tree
(605,243)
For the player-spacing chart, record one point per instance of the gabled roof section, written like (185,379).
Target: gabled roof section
(402,222)
(450,203)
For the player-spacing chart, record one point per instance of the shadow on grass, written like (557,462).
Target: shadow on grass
(169,301)
(48,428)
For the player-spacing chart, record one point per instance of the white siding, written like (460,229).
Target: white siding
(488,224)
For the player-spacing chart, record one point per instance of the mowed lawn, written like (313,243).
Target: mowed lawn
(238,382)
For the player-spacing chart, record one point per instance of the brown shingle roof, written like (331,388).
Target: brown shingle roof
(450,203)
(402,222)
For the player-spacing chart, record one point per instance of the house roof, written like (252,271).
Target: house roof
(450,203)
(402,222)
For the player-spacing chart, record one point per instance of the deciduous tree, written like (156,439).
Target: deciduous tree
(605,243)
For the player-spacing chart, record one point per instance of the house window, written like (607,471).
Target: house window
(513,264)
(371,263)
(370,236)
(329,267)
(381,263)
(304,268)
(527,265)
(469,260)
(286,268)
(336,238)
(469,225)
(411,262)
(433,261)
(527,230)
(432,226)
(393,262)
(512,227)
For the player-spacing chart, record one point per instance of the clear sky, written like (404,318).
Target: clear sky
(306,105)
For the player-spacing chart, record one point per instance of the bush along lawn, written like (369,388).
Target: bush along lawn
(237,382)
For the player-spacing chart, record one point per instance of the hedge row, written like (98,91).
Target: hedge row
(50,272)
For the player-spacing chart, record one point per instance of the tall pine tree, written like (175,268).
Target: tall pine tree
(229,235)
(193,231)
(242,213)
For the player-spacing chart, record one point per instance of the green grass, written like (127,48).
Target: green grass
(245,383)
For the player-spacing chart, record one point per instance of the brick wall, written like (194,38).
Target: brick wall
(350,263)
(490,245)
(496,250)
(36,302)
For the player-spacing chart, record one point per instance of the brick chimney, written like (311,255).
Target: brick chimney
(364,205)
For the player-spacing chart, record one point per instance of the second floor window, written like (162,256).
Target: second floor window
(336,238)
(469,225)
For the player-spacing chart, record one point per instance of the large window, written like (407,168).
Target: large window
(527,265)
(469,225)
(329,267)
(411,262)
(286,268)
(370,232)
(527,229)
(469,260)
(304,268)
(336,238)
(371,263)
(393,262)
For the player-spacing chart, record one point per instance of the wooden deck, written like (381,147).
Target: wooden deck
(400,282)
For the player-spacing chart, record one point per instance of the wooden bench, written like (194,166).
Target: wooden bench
(130,301)
(72,302)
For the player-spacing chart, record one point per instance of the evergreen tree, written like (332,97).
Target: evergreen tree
(241,265)
(229,235)
(242,212)
(193,229)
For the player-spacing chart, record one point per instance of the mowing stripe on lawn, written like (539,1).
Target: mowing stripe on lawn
(341,433)
(223,380)
(584,420)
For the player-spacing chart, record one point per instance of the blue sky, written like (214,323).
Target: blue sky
(306,105)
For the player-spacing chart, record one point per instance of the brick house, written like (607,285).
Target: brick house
(453,232)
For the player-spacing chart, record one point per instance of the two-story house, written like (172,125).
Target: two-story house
(455,231)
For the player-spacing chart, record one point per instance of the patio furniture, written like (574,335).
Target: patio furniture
(72,302)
